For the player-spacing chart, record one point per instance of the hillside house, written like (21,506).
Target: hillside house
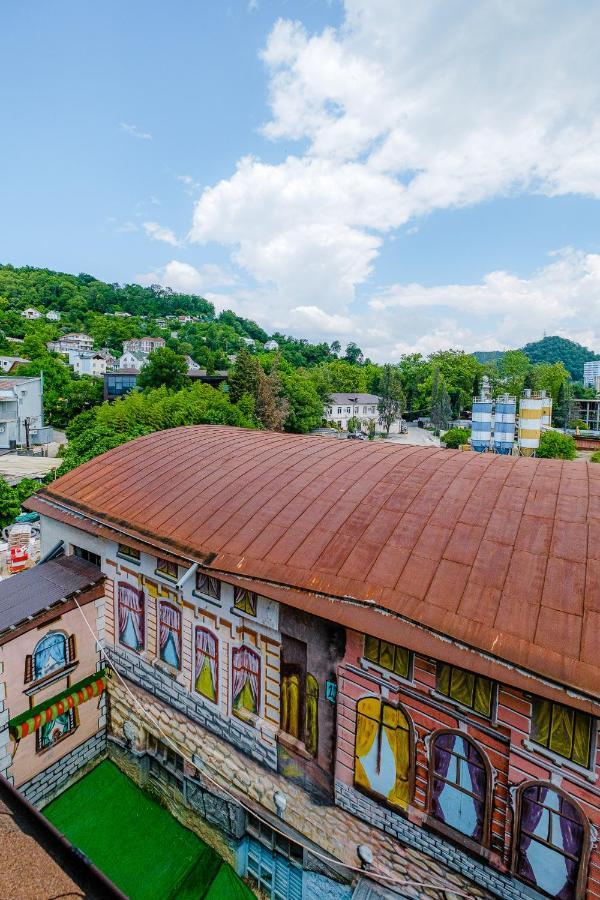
(9,363)
(133,359)
(88,362)
(144,344)
(71,341)
(22,413)
(53,316)
(405,659)
(31,313)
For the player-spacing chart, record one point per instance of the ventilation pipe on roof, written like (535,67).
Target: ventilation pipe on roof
(57,550)
(186,575)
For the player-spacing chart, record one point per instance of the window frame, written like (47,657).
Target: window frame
(384,669)
(33,683)
(73,714)
(163,601)
(163,570)
(451,700)
(87,555)
(142,598)
(213,634)
(209,578)
(547,750)
(478,846)
(250,599)
(379,798)
(129,554)
(584,860)
(243,714)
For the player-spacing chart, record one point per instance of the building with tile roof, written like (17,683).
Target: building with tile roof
(406,637)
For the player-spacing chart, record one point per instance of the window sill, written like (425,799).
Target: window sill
(166,668)
(34,686)
(294,744)
(462,707)
(247,717)
(212,600)
(385,675)
(63,737)
(170,579)
(560,761)
(128,559)
(466,843)
(243,614)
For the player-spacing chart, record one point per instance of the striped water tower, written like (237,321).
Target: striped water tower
(530,422)
(546,410)
(481,419)
(504,424)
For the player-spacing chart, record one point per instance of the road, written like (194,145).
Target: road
(415,436)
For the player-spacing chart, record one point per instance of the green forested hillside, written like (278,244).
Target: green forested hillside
(557,349)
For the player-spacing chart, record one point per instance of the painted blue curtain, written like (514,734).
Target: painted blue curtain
(550,842)
(50,654)
(459,785)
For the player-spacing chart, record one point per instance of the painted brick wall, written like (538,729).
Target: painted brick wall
(504,741)
(42,788)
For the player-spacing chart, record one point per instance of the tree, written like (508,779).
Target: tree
(245,376)
(164,367)
(336,347)
(562,409)
(513,368)
(554,445)
(456,437)
(440,402)
(10,505)
(271,408)
(549,377)
(354,424)
(354,354)
(391,397)
(305,410)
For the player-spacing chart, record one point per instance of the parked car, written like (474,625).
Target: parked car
(357,436)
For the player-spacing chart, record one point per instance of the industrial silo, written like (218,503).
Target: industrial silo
(546,409)
(504,424)
(530,422)
(481,422)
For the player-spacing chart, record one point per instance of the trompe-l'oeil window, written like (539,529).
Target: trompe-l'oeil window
(565,731)
(466,688)
(388,656)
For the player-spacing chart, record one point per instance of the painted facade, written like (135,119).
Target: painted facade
(369,743)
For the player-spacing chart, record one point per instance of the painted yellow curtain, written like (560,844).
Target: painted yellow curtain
(290,705)
(377,721)
(396,728)
(311,715)
(367,725)
(204,682)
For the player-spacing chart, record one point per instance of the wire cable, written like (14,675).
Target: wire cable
(373,873)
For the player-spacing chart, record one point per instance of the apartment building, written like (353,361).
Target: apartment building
(399,670)
(342,408)
(144,344)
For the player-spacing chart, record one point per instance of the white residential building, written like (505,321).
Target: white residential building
(590,371)
(86,362)
(271,345)
(31,313)
(133,359)
(343,407)
(145,344)
(8,363)
(192,364)
(22,413)
(53,316)
(74,340)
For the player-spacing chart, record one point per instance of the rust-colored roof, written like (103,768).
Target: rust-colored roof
(502,554)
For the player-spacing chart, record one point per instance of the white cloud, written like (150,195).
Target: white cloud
(134,131)
(181,276)
(191,185)
(160,233)
(405,109)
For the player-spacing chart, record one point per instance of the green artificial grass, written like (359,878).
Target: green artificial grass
(137,843)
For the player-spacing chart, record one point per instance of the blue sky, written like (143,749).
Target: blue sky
(407,176)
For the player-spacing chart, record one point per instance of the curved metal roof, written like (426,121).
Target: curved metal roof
(500,553)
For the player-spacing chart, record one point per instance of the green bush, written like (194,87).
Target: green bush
(456,437)
(595,457)
(554,445)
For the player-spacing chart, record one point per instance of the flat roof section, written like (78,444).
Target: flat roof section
(138,844)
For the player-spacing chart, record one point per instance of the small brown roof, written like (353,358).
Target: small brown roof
(30,592)
(499,553)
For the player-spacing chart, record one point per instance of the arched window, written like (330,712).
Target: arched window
(550,841)
(206,664)
(49,655)
(245,684)
(459,785)
(169,634)
(382,760)
(131,616)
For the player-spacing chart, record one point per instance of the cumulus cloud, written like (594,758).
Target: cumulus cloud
(405,109)
(160,233)
(181,276)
